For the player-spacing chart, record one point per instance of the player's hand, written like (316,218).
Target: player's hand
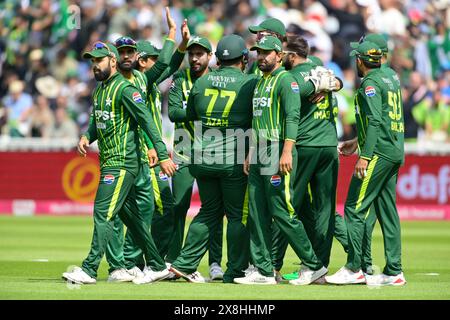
(246,167)
(171,24)
(168,167)
(185,33)
(347,148)
(152,157)
(83,144)
(318,97)
(286,162)
(361,168)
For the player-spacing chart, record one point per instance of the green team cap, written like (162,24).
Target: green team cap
(270,24)
(231,47)
(203,42)
(125,42)
(100,50)
(145,49)
(316,60)
(268,43)
(368,51)
(376,38)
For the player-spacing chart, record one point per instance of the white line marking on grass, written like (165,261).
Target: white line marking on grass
(39,260)
(428,274)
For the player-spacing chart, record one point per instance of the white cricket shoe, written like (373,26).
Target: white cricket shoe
(346,276)
(385,280)
(78,276)
(194,277)
(215,271)
(251,268)
(120,275)
(172,276)
(307,276)
(151,276)
(136,272)
(254,277)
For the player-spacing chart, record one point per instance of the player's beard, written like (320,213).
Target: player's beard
(266,66)
(129,67)
(199,69)
(101,75)
(287,63)
(360,72)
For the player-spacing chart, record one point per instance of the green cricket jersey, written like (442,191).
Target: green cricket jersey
(155,97)
(118,109)
(221,100)
(379,116)
(139,80)
(276,107)
(182,84)
(317,126)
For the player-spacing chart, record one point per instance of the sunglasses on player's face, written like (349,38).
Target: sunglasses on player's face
(125,42)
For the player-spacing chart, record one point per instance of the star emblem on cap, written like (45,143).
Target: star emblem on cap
(196,39)
(263,40)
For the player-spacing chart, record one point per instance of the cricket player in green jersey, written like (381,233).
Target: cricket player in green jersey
(221,100)
(128,50)
(126,47)
(380,128)
(269,27)
(118,110)
(317,167)
(340,227)
(276,108)
(199,54)
(163,219)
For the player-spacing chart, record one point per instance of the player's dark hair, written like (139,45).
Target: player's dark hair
(299,45)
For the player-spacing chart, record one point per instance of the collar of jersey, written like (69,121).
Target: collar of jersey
(106,82)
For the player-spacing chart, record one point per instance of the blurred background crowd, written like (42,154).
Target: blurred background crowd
(45,86)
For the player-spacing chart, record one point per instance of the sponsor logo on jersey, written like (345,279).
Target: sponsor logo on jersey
(108,179)
(275,180)
(294,87)
(370,91)
(163,176)
(137,97)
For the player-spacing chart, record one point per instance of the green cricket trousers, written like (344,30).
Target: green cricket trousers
(116,196)
(378,188)
(270,199)
(221,191)
(182,185)
(314,200)
(163,218)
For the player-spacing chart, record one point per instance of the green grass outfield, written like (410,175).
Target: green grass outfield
(34,251)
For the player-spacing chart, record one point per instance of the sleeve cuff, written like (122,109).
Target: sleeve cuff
(164,160)
(181,51)
(287,139)
(365,157)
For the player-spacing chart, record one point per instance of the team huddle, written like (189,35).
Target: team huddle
(261,145)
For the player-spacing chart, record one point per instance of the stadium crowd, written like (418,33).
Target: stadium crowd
(45,86)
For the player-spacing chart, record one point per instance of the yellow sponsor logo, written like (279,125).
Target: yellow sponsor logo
(80,179)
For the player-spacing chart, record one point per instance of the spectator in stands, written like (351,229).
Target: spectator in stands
(413,95)
(41,118)
(437,118)
(18,105)
(65,127)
